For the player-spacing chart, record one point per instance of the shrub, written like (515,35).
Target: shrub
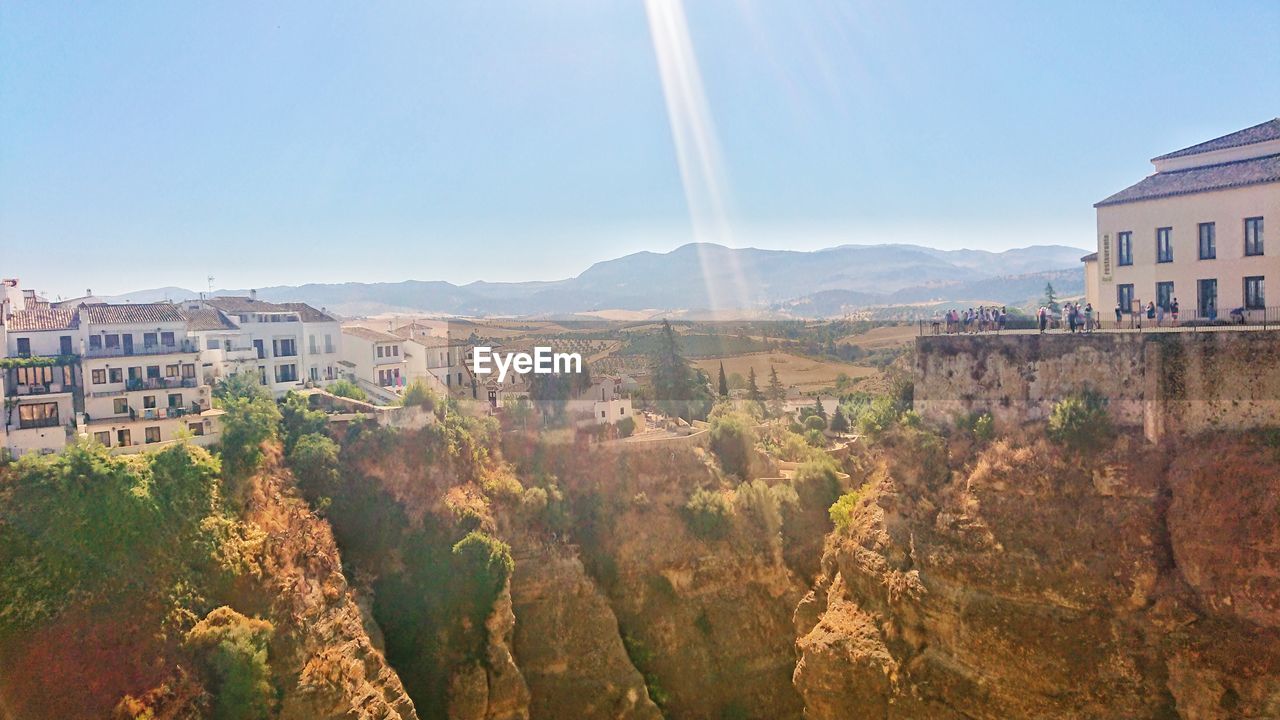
(483,564)
(1079,420)
(984,427)
(815,438)
(839,423)
(298,419)
(732,441)
(232,650)
(248,422)
(707,514)
(878,417)
(314,461)
(816,482)
(842,509)
(347,389)
(418,394)
(815,422)
(755,500)
(626,427)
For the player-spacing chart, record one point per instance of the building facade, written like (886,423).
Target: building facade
(289,345)
(1195,231)
(375,360)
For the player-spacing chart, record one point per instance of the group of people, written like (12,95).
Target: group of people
(1152,312)
(984,319)
(1075,317)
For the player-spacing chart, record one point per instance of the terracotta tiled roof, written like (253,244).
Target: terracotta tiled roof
(237,304)
(132,313)
(370,334)
(308,313)
(44,318)
(208,319)
(1200,179)
(1269,130)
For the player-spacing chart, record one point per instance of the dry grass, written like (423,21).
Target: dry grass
(883,337)
(806,374)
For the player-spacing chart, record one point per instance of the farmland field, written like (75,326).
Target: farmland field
(799,373)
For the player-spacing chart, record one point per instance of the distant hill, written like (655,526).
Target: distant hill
(698,277)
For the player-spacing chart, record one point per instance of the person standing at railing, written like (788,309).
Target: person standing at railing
(1119,314)
(1173,308)
(1004,317)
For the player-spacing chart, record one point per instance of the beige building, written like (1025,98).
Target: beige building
(1194,231)
(375,361)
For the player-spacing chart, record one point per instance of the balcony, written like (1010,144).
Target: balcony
(186,346)
(39,389)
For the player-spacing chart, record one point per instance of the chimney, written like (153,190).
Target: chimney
(253,295)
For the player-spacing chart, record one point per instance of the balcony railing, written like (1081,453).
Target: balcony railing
(185,346)
(40,389)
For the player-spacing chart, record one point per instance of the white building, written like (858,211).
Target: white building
(375,360)
(603,402)
(289,345)
(439,360)
(141,382)
(41,377)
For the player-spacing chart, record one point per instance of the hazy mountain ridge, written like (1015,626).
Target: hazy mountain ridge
(710,276)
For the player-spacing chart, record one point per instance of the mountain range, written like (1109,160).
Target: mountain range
(701,276)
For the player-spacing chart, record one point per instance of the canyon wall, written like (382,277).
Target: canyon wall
(1017,580)
(1166,383)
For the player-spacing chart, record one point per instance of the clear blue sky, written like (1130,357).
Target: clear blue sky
(145,143)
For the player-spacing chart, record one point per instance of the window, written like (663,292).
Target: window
(115,374)
(120,406)
(1124,248)
(24,347)
(95,342)
(171,371)
(112,341)
(622,411)
(167,339)
(328,343)
(150,339)
(312,343)
(284,347)
(1164,294)
(64,345)
(38,415)
(213,344)
(1164,244)
(99,376)
(175,400)
(380,349)
(1254,293)
(153,372)
(1208,241)
(257,345)
(1207,302)
(262,375)
(602,414)
(103,438)
(1124,297)
(148,401)
(188,370)
(124,438)
(1253,236)
(196,428)
(135,374)
(153,434)
(315,372)
(395,350)
(287,373)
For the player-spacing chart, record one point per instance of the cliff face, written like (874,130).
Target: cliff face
(1020,581)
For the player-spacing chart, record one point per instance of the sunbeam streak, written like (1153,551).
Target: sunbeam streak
(697,151)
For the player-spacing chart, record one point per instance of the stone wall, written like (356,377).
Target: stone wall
(1163,382)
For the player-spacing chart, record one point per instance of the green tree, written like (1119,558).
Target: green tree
(232,651)
(298,419)
(483,563)
(314,461)
(246,384)
(708,513)
(818,409)
(1080,421)
(679,389)
(839,423)
(417,394)
(724,382)
(753,388)
(777,393)
(347,389)
(1050,299)
(732,440)
(247,423)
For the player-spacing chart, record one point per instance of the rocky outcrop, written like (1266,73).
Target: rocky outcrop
(494,689)
(1019,581)
(567,641)
(331,668)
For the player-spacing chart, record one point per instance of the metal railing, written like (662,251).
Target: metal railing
(1265,318)
(185,346)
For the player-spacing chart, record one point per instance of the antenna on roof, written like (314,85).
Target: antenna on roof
(210,281)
